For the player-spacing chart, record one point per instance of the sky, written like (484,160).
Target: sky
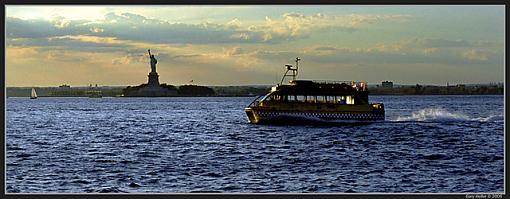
(250,44)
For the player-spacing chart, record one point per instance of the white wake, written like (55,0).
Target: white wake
(442,115)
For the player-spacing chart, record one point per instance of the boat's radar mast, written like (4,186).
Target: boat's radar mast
(294,70)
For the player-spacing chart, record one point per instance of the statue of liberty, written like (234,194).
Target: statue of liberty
(153,62)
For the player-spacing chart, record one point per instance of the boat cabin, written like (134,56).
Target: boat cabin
(305,91)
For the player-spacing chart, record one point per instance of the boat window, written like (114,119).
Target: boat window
(349,99)
(321,99)
(301,98)
(268,97)
(310,99)
(292,98)
(265,98)
(330,99)
(340,99)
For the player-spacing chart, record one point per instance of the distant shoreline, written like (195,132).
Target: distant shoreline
(218,96)
(257,90)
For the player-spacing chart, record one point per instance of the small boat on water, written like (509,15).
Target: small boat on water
(33,94)
(94,93)
(304,101)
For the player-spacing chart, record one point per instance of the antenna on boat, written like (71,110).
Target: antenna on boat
(294,70)
(297,62)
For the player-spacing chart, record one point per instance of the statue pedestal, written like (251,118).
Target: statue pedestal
(153,88)
(153,79)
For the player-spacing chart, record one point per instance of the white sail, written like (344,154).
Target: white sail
(33,95)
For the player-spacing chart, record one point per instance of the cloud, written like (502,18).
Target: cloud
(357,19)
(64,56)
(411,51)
(442,43)
(474,54)
(296,24)
(134,27)
(131,58)
(235,23)
(426,45)
(429,51)
(96,29)
(233,51)
(325,48)
(87,39)
(19,28)
(21,53)
(320,50)
(219,45)
(78,43)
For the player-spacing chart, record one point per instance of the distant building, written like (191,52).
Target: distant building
(387,84)
(64,86)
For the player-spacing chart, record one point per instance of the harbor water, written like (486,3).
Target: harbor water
(427,144)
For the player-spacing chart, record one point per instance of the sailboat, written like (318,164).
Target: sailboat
(33,95)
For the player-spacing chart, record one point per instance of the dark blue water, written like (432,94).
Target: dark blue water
(428,144)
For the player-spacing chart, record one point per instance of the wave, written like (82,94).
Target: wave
(492,118)
(442,115)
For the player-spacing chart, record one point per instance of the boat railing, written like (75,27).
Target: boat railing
(361,85)
(352,83)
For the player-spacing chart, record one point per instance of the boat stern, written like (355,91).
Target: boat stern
(378,108)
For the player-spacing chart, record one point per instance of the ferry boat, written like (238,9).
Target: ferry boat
(94,93)
(314,101)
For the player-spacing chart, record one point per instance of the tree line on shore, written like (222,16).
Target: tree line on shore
(195,90)
(184,90)
(439,90)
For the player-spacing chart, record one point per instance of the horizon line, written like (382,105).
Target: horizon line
(403,84)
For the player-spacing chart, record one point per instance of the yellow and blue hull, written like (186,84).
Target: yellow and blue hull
(257,115)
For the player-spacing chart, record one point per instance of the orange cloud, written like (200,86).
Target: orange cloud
(475,55)
(93,39)
(21,52)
